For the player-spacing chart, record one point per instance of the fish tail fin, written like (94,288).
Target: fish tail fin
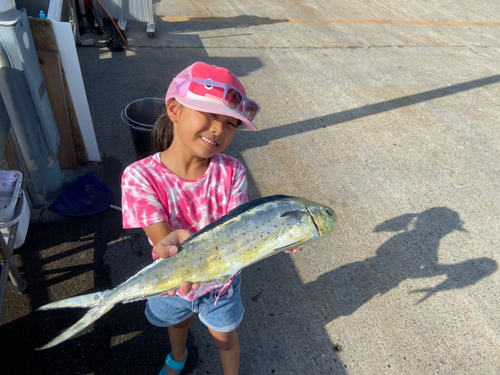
(101,307)
(87,300)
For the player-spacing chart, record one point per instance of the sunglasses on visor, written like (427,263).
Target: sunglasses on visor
(232,97)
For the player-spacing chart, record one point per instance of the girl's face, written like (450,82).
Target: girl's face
(204,134)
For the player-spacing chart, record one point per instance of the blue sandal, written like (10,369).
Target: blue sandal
(174,365)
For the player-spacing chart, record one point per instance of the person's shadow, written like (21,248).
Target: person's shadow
(411,254)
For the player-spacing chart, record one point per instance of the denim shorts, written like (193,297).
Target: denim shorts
(167,311)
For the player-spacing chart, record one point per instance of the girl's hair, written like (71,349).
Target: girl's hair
(162,134)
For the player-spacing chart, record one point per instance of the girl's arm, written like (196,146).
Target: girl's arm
(165,241)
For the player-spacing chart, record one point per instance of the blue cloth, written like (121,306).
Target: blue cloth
(87,195)
(166,311)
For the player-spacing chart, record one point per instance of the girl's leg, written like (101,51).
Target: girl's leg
(228,344)
(178,336)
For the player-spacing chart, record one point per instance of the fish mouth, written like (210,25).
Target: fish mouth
(314,221)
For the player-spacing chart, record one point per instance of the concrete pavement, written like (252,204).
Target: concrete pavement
(387,112)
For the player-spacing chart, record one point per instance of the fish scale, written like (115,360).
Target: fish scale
(246,235)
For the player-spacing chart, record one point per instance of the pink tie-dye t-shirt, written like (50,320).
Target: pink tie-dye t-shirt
(152,194)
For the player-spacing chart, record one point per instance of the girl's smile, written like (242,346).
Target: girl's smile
(210,143)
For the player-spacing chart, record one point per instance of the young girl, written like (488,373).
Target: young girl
(186,186)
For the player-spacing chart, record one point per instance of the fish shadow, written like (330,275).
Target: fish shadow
(412,254)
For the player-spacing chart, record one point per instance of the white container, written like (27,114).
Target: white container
(10,183)
(10,186)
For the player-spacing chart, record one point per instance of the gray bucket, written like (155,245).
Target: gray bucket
(140,116)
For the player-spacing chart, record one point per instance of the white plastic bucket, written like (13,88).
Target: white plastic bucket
(14,178)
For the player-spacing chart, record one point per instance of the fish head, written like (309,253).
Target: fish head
(324,218)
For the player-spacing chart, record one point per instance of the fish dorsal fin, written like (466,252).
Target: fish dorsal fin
(242,208)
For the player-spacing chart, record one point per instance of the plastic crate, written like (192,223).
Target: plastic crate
(10,186)
(10,190)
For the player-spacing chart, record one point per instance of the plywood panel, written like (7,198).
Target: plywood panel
(72,149)
(51,70)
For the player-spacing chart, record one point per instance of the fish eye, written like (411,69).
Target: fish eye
(329,212)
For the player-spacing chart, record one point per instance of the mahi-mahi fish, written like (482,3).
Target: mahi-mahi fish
(249,233)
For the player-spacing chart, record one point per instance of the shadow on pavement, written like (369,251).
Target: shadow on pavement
(278,132)
(184,24)
(411,254)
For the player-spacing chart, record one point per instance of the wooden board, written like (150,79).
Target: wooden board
(51,70)
(80,151)
(72,149)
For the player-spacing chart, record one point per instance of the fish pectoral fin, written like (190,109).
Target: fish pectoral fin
(292,245)
(298,215)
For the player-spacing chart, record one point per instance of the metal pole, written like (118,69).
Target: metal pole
(150,27)
(21,164)
(122,22)
(3,283)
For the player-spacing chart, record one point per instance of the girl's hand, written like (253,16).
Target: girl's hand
(185,288)
(292,250)
(168,247)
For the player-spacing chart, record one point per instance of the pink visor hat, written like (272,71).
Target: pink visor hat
(208,88)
